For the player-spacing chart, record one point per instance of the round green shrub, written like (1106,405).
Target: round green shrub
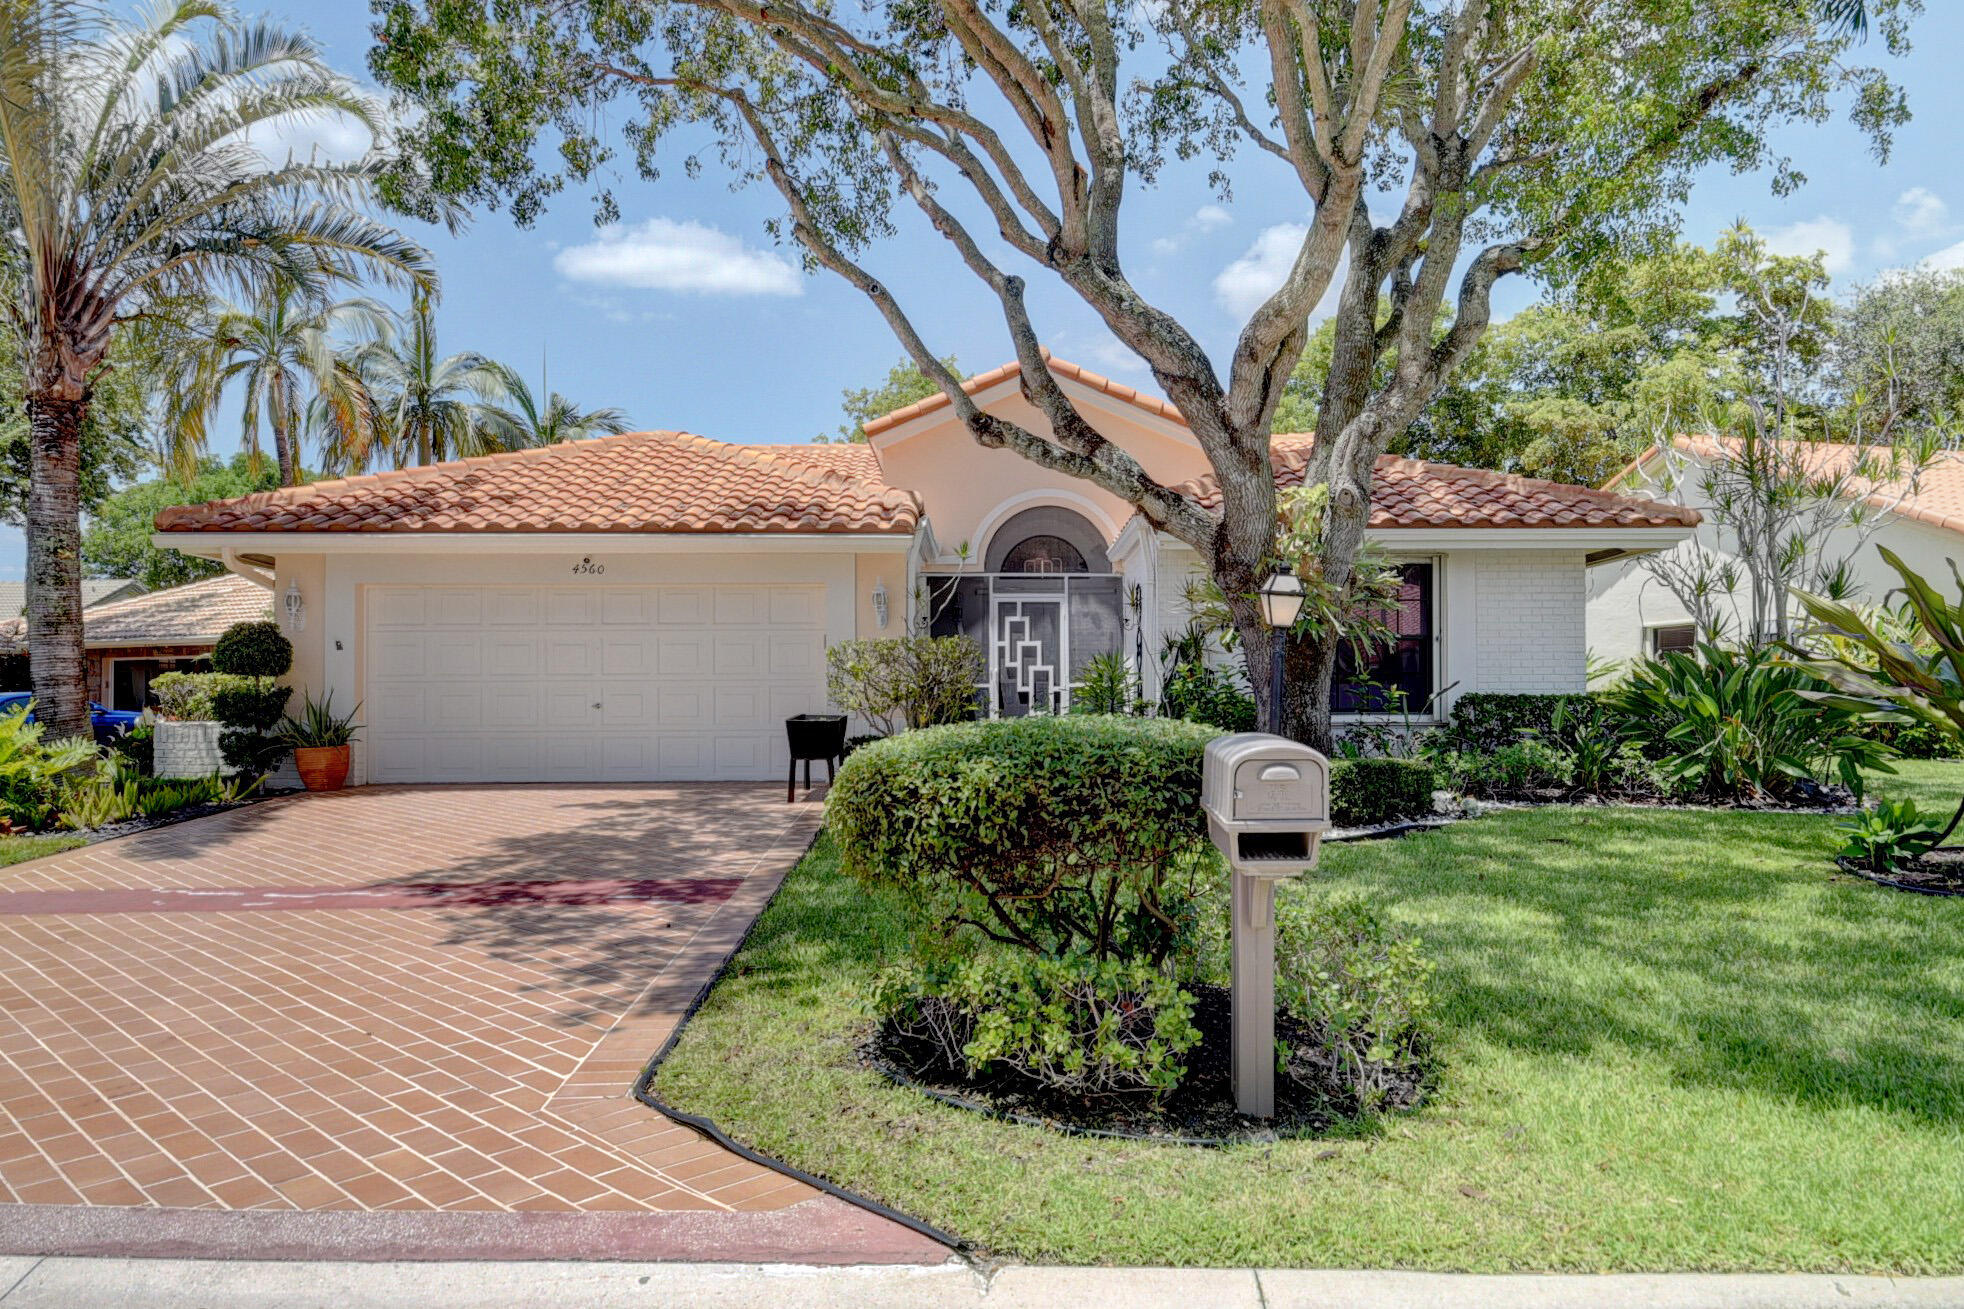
(257,649)
(1049,834)
(254,708)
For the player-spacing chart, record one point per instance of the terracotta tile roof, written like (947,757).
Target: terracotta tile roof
(196,613)
(1415,493)
(638,482)
(1937,497)
(1152,404)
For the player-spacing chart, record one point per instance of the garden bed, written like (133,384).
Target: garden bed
(1668,1043)
(1200,1111)
(1939,872)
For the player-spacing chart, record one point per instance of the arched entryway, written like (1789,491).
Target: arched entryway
(1045,605)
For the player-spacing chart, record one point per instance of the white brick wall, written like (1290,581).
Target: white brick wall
(1530,630)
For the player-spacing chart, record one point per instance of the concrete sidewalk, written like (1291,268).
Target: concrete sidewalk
(216,1284)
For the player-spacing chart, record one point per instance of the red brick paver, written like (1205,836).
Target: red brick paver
(464,1037)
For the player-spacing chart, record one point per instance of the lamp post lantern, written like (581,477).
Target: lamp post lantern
(1282,604)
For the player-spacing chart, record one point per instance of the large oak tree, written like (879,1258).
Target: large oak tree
(1494,138)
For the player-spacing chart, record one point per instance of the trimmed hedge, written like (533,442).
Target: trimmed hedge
(1370,792)
(257,649)
(1484,721)
(1048,834)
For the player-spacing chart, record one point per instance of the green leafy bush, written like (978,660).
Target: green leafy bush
(1202,694)
(250,705)
(1075,1024)
(1050,834)
(1487,720)
(1104,686)
(906,681)
(1894,834)
(1735,725)
(187,696)
(115,793)
(1365,989)
(138,747)
(254,649)
(1371,792)
(34,770)
(1527,766)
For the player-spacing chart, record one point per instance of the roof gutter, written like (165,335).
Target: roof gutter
(248,547)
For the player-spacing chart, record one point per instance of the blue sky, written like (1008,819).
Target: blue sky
(687,316)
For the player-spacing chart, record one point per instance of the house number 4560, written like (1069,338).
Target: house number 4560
(587,568)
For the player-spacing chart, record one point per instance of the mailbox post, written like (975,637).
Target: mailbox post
(1268,804)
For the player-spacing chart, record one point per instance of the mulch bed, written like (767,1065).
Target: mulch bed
(1199,1112)
(1940,872)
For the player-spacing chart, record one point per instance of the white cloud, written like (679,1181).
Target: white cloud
(1241,287)
(1922,212)
(1830,238)
(663,255)
(1207,218)
(1947,260)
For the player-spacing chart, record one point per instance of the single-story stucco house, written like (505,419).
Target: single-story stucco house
(132,640)
(1633,614)
(653,605)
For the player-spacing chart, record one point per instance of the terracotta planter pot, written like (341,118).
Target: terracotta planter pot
(323,767)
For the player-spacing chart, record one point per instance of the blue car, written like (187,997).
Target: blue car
(108,723)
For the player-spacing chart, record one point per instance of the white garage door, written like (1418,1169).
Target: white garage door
(588,683)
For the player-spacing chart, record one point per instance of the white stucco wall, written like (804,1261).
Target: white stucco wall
(1626,600)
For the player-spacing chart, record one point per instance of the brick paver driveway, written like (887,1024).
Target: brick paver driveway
(391,998)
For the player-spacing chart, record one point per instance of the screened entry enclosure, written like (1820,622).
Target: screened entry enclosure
(1046,604)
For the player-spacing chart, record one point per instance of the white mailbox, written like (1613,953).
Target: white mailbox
(1268,804)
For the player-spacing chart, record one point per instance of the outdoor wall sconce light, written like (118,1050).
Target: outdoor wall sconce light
(880,603)
(296,607)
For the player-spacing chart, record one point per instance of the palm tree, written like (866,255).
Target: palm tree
(129,180)
(285,349)
(525,424)
(430,407)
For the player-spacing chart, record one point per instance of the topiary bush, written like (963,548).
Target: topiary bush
(1046,834)
(1372,792)
(250,704)
(255,649)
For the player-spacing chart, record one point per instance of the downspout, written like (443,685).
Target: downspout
(248,567)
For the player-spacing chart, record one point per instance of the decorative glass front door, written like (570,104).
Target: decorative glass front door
(1031,645)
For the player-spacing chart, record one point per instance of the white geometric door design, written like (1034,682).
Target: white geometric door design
(1029,656)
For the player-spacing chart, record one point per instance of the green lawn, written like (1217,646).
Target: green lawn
(20,849)
(1671,1040)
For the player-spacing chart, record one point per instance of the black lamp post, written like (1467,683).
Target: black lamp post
(1282,603)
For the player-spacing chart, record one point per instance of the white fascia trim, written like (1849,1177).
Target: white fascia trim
(216,545)
(1403,539)
(1082,396)
(1134,536)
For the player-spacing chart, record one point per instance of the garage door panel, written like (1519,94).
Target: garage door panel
(499,683)
(682,655)
(735,605)
(740,654)
(569,608)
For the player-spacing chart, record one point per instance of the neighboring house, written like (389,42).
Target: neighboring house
(652,606)
(1633,614)
(95,591)
(128,642)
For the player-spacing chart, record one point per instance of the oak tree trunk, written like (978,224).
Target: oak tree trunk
(56,661)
